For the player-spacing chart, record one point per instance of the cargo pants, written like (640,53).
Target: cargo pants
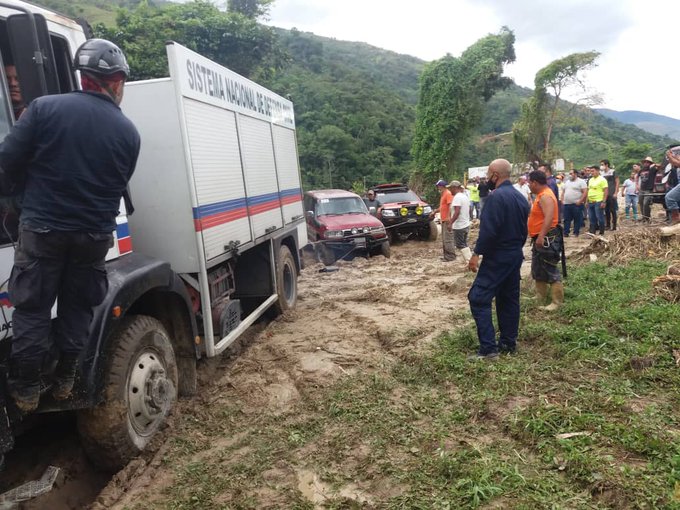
(48,266)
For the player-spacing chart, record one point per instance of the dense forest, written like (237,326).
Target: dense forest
(355,104)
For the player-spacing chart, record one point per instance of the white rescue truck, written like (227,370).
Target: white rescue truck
(214,241)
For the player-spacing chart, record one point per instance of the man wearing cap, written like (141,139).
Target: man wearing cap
(460,219)
(75,153)
(444,211)
(371,202)
(502,235)
(646,185)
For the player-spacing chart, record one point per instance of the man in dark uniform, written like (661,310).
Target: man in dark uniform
(72,155)
(502,235)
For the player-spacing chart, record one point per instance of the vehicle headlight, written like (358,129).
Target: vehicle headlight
(388,213)
(403,211)
(367,230)
(378,230)
(333,234)
(419,210)
(427,210)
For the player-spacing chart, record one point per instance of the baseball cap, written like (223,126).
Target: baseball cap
(455,184)
(441,182)
(648,158)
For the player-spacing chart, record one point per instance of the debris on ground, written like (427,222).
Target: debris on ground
(631,244)
(29,490)
(668,286)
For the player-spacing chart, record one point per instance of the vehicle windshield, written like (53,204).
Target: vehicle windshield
(402,196)
(340,205)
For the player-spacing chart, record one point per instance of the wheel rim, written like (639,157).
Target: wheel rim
(150,392)
(288,283)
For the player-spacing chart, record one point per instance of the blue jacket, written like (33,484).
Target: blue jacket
(503,225)
(74,155)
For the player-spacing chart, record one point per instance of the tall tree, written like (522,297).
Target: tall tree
(532,134)
(252,9)
(453,92)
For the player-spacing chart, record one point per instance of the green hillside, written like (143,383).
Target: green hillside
(355,105)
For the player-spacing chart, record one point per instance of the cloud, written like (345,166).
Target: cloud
(564,27)
(299,13)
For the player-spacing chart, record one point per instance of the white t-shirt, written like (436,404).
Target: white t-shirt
(630,187)
(573,190)
(523,189)
(463,220)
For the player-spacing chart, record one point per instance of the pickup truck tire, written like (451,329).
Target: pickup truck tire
(433,232)
(140,389)
(385,250)
(286,280)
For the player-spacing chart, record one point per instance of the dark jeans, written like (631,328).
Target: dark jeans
(573,212)
(596,217)
(646,200)
(50,265)
(611,212)
(498,277)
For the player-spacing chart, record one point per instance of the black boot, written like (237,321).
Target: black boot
(64,376)
(23,385)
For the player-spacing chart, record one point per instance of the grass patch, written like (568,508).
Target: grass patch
(435,430)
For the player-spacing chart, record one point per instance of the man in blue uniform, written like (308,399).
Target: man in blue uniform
(71,157)
(502,235)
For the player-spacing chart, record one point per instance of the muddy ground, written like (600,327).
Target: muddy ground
(357,319)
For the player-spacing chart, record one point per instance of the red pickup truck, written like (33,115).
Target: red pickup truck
(340,226)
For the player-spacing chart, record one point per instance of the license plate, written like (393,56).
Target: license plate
(411,220)
(361,242)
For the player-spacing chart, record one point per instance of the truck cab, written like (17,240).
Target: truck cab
(204,269)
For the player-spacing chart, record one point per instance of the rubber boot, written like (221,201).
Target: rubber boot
(23,385)
(64,377)
(467,254)
(557,297)
(675,216)
(541,292)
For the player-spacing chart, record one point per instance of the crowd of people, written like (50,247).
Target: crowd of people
(591,195)
(545,208)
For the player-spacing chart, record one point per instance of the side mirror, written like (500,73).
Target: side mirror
(371,210)
(309,214)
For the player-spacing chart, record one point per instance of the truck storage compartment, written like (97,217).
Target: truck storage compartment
(218,169)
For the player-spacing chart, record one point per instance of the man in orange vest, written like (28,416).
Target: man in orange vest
(546,239)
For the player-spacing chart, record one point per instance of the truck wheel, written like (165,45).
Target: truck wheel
(140,388)
(385,250)
(286,281)
(433,232)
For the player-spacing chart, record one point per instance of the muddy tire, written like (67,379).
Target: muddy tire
(433,232)
(385,250)
(286,281)
(140,389)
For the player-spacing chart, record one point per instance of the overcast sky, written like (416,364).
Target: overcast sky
(639,39)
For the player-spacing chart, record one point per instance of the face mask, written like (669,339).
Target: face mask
(602,168)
